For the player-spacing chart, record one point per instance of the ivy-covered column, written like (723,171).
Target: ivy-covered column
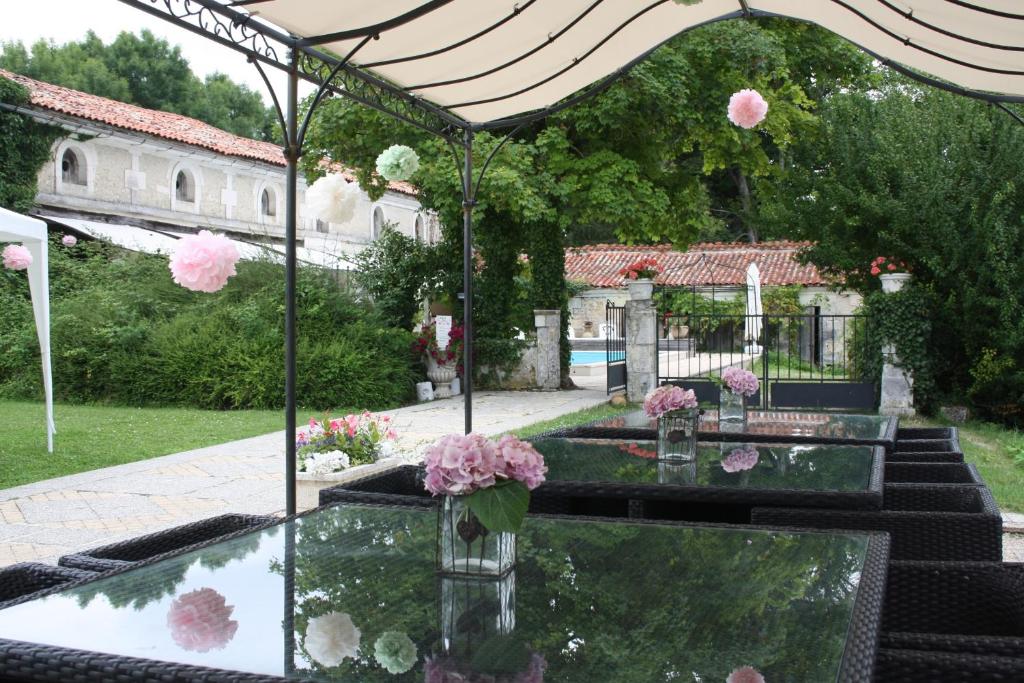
(641,345)
(897,380)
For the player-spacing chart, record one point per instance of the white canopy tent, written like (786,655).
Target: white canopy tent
(755,311)
(31,232)
(458,67)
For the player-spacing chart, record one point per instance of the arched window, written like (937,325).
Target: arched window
(268,203)
(72,168)
(184,187)
(378,223)
(419,231)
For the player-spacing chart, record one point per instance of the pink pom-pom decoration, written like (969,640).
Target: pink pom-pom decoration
(69,240)
(667,398)
(745,674)
(204,262)
(747,108)
(200,621)
(17,257)
(522,461)
(740,459)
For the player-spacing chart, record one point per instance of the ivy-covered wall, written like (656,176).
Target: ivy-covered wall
(24,148)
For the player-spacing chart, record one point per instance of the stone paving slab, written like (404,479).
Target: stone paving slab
(47,519)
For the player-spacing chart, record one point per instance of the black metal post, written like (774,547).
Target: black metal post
(291,153)
(468,202)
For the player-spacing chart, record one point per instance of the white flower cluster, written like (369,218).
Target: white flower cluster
(327,463)
(332,198)
(397,162)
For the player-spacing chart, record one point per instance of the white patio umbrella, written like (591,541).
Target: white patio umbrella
(31,232)
(754,312)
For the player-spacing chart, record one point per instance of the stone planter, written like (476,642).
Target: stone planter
(678,331)
(307,486)
(441,376)
(640,289)
(894,282)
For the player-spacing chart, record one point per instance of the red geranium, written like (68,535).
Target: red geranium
(889,264)
(426,343)
(646,268)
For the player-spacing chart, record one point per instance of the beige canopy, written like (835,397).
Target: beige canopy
(486,61)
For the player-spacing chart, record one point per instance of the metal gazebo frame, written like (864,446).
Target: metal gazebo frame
(300,59)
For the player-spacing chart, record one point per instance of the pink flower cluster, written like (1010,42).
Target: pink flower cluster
(740,459)
(667,398)
(740,381)
(745,674)
(204,262)
(201,621)
(747,108)
(17,257)
(458,465)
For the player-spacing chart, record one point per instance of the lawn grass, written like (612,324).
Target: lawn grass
(572,419)
(91,436)
(997,452)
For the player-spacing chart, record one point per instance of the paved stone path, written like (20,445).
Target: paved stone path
(45,520)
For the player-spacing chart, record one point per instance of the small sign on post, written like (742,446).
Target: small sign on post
(443,329)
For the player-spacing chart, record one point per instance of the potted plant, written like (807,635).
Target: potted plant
(332,450)
(678,418)
(640,277)
(893,273)
(443,364)
(736,386)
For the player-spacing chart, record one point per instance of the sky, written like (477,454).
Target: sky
(66,20)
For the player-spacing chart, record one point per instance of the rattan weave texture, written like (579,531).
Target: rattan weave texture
(26,578)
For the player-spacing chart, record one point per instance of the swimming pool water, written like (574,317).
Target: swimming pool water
(583,357)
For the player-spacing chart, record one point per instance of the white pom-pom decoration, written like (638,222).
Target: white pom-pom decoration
(332,199)
(397,162)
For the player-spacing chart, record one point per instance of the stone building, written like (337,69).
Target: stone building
(143,178)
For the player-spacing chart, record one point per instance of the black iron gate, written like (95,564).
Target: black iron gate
(615,346)
(807,360)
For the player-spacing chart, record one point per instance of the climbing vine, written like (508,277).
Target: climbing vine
(24,148)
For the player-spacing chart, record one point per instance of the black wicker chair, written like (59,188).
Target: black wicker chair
(26,578)
(916,666)
(931,473)
(971,607)
(129,552)
(925,456)
(971,531)
(917,445)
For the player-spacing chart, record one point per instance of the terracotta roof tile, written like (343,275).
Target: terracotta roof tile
(706,263)
(159,124)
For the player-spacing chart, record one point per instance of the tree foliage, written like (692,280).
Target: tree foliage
(144,70)
(933,180)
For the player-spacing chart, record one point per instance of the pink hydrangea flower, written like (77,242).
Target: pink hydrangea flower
(747,108)
(740,459)
(69,240)
(667,398)
(740,381)
(204,262)
(200,621)
(17,257)
(745,674)
(458,465)
(522,461)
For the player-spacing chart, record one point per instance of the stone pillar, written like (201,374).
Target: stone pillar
(897,383)
(549,332)
(641,345)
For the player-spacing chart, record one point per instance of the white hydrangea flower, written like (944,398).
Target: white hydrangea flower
(397,162)
(332,198)
(332,638)
(395,651)
(320,464)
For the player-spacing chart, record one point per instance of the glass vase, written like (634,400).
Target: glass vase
(475,610)
(466,547)
(732,410)
(677,435)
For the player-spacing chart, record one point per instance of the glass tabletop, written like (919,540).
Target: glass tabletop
(725,465)
(780,424)
(587,601)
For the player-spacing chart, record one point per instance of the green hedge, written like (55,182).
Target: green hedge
(123,332)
